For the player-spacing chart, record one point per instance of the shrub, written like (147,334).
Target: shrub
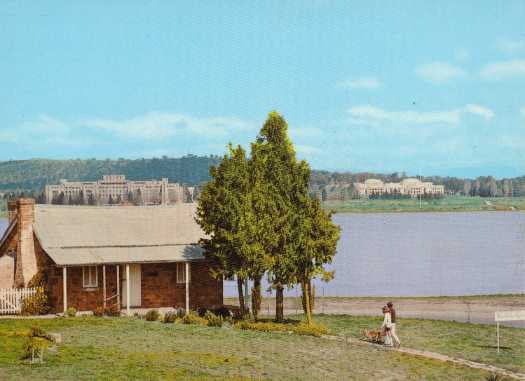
(181,312)
(71,312)
(213,320)
(236,314)
(223,312)
(313,329)
(495,377)
(201,311)
(37,342)
(112,310)
(193,318)
(170,317)
(36,304)
(152,315)
(98,311)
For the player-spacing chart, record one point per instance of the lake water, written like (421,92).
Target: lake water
(424,254)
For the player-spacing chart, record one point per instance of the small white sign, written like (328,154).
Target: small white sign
(510,315)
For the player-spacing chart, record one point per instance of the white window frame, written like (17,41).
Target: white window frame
(181,273)
(87,277)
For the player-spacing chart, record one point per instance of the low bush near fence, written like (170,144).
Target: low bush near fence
(313,329)
(71,312)
(36,304)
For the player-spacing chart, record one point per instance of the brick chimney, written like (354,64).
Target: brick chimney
(11,210)
(26,264)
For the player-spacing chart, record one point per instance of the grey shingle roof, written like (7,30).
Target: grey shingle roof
(77,235)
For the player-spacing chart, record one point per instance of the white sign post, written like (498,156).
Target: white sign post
(507,316)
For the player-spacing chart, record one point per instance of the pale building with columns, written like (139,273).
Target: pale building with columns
(117,187)
(411,186)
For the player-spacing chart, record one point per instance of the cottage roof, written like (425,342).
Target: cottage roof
(81,235)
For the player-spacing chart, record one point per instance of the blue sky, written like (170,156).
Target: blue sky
(423,87)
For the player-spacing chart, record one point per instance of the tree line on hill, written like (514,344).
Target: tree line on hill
(30,176)
(339,186)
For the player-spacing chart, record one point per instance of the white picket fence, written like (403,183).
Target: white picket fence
(11,299)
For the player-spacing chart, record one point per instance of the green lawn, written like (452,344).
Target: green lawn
(476,342)
(446,204)
(129,348)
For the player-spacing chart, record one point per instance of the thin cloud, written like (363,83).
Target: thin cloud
(439,73)
(503,70)
(373,114)
(512,46)
(158,126)
(367,83)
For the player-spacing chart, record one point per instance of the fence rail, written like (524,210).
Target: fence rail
(11,299)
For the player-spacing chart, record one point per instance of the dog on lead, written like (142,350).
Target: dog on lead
(375,336)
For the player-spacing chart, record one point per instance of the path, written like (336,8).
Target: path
(478,310)
(435,356)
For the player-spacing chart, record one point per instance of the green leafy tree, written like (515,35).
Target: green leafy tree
(316,238)
(221,207)
(281,182)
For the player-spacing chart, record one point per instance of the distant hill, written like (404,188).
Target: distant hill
(32,175)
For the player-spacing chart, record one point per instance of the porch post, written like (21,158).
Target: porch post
(64,286)
(118,287)
(187,279)
(128,311)
(104,284)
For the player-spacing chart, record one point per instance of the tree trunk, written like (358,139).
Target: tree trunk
(307,300)
(256,297)
(240,290)
(279,303)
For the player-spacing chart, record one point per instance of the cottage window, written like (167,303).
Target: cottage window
(181,272)
(89,277)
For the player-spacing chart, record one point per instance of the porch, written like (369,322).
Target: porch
(133,287)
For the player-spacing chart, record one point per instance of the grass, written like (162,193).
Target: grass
(475,342)
(130,349)
(446,204)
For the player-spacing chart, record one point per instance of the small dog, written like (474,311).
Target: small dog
(375,336)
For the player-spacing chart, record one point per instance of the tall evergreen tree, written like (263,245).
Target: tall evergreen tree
(316,237)
(222,206)
(281,182)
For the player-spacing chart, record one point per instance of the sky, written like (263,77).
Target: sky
(429,88)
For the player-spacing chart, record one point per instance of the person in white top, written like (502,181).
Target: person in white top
(387,326)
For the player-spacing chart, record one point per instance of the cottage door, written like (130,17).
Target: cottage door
(135,287)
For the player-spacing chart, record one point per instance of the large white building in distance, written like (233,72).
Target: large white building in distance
(410,187)
(117,189)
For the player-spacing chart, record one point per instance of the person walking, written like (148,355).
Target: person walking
(393,318)
(387,326)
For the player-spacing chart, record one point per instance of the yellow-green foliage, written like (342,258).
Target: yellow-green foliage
(193,318)
(213,320)
(152,315)
(170,317)
(36,304)
(71,312)
(36,343)
(300,329)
